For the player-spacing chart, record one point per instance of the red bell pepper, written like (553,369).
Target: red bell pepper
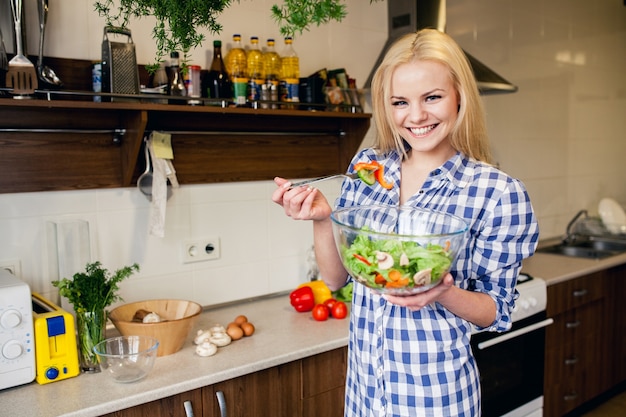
(302,299)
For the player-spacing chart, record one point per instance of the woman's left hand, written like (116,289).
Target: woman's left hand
(418,301)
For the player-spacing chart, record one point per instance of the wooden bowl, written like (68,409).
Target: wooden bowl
(179,318)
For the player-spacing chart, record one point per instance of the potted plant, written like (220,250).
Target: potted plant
(90,292)
(179,22)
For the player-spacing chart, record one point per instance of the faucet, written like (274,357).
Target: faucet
(569,236)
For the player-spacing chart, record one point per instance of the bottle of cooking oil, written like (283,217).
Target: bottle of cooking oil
(236,63)
(271,62)
(255,69)
(290,72)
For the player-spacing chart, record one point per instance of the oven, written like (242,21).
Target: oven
(511,364)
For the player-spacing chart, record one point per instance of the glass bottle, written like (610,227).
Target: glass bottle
(255,69)
(236,63)
(176,80)
(290,72)
(217,82)
(271,63)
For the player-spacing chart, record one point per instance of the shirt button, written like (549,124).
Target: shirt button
(379,333)
(379,372)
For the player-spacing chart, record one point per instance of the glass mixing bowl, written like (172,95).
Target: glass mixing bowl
(397,250)
(127,358)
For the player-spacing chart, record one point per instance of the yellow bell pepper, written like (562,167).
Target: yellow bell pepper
(321,292)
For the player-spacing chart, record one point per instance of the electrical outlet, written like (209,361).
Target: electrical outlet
(13,266)
(200,249)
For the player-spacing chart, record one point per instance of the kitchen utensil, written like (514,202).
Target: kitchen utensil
(178,319)
(327,177)
(127,358)
(21,76)
(612,215)
(397,250)
(144,182)
(45,73)
(4,62)
(120,73)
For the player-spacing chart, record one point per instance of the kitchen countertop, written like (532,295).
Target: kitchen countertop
(558,268)
(282,335)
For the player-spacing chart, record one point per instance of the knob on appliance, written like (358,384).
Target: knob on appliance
(12,349)
(10,319)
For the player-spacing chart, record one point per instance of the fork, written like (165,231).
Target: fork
(327,177)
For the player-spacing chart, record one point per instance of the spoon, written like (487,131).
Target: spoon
(45,73)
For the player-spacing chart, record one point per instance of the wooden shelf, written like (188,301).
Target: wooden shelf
(73,145)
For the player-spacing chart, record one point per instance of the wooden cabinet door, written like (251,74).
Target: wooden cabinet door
(173,406)
(323,384)
(618,319)
(273,392)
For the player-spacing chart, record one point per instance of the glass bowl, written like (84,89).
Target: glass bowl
(397,250)
(127,358)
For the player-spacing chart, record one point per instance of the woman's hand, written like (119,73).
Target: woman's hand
(418,301)
(301,203)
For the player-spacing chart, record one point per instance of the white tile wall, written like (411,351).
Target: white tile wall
(562,134)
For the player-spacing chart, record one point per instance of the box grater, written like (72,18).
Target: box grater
(119,64)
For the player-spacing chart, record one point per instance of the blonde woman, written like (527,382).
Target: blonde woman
(411,356)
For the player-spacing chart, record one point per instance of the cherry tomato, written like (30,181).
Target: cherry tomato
(339,310)
(330,303)
(320,312)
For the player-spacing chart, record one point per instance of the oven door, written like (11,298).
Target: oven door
(511,366)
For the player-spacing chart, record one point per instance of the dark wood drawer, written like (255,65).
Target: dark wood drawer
(576,292)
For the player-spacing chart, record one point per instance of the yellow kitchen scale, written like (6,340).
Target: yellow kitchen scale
(55,341)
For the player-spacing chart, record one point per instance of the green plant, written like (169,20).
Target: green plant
(95,289)
(179,21)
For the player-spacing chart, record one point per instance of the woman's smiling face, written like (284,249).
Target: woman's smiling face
(424,105)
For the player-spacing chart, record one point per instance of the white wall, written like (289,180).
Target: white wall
(562,134)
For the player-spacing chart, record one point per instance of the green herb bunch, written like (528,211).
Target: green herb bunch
(95,289)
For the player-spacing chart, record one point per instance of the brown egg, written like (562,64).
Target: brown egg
(248,329)
(235,332)
(241,319)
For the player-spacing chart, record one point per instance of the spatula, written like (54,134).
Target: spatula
(21,76)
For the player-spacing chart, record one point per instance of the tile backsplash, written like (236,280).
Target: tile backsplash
(562,133)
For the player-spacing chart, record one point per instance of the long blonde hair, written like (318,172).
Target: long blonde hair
(469,134)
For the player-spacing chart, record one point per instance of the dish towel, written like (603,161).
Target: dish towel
(159,145)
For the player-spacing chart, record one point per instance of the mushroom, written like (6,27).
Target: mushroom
(206,349)
(202,336)
(422,277)
(385,260)
(220,338)
(404,259)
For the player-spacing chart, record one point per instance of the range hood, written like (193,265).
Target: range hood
(409,16)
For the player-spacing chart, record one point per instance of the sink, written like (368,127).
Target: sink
(591,248)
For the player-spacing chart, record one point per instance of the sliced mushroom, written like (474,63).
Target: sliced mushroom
(422,277)
(404,260)
(384,260)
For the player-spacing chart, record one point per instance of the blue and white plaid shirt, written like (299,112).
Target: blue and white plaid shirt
(419,363)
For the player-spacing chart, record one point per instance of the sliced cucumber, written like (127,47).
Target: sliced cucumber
(367,176)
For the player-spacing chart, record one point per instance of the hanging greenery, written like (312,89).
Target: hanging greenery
(179,21)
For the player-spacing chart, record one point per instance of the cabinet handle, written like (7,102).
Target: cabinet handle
(571,361)
(188,409)
(570,397)
(580,293)
(221,402)
(572,324)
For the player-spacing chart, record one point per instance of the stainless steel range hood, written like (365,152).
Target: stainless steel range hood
(408,16)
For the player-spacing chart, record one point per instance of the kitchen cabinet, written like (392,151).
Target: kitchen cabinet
(618,320)
(77,145)
(173,406)
(310,387)
(577,357)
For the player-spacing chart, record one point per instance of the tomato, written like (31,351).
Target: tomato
(320,312)
(339,310)
(330,303)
